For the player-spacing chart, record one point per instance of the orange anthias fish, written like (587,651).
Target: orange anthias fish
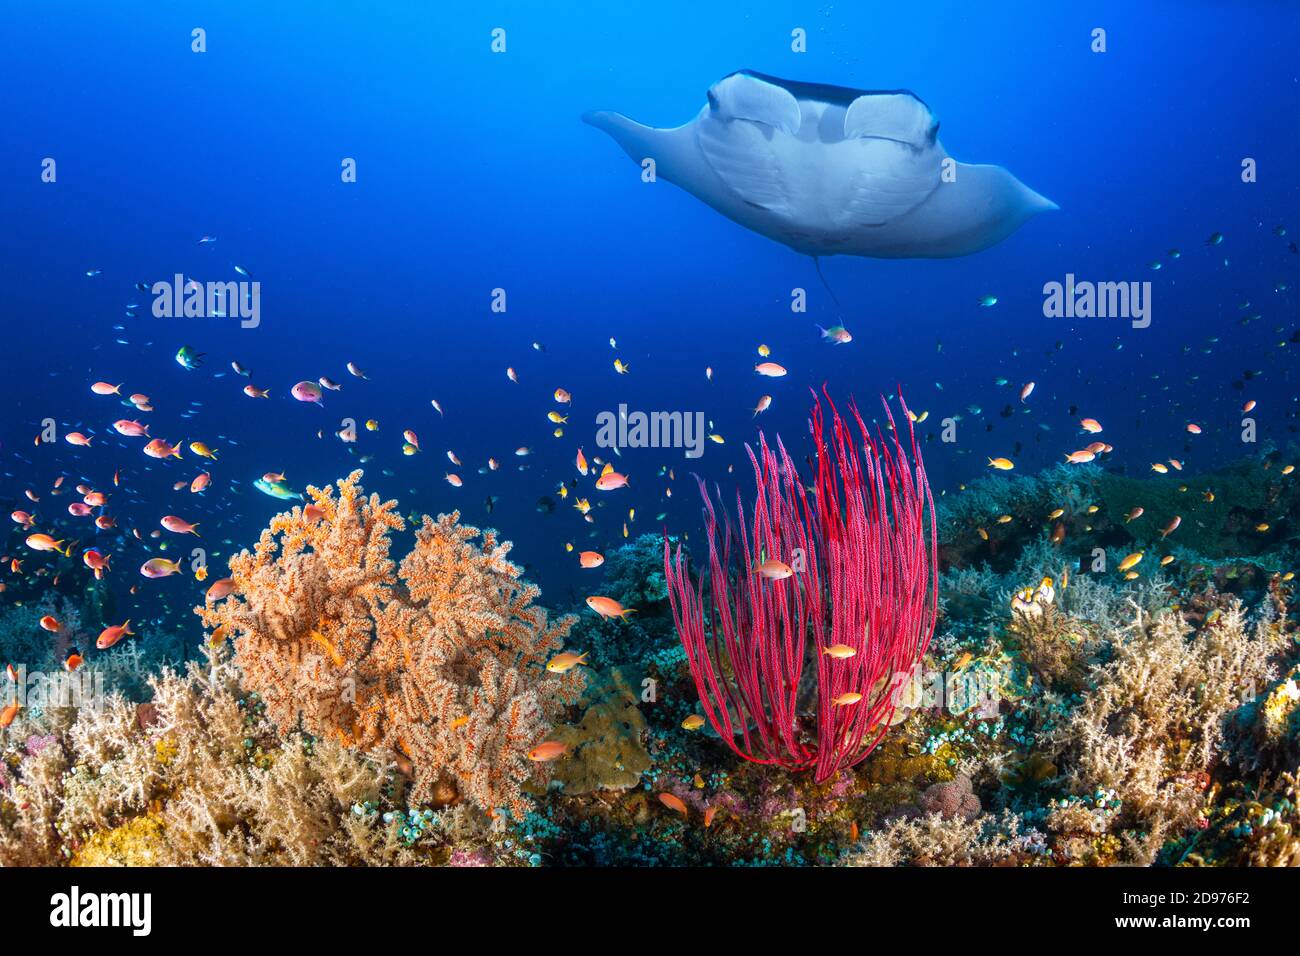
(547,751)
(111,635)
(51,623)
(774,570)
(179,525)
(563,663)
(220,589)
(581,462)
(43,542)
(97,561)
(610,480)
(608,607)
(674,803)
(160,568)
(131,429)
(160,449)
(590,559)
(1172,526)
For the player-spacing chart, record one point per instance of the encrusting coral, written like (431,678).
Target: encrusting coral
(440,660)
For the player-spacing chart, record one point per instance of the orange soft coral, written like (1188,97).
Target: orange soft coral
(441,659)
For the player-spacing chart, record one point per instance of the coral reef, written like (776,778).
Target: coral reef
(1151,726)
(198,775)
(440,659)
(606,749)
(1064,714)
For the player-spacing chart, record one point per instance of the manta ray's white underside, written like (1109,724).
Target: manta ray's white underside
(831,171)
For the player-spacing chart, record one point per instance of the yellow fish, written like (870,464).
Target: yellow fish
(565,662)
(839,651)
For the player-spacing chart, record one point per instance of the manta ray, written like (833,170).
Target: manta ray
(829,170)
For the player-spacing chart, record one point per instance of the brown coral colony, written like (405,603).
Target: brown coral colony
(438,661)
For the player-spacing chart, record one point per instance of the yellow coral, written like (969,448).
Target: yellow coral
(1278,706)
(134,843)
(441,659)
(164,750)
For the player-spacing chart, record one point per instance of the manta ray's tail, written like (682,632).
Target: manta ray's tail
(818,263)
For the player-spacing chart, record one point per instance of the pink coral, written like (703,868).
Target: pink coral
(951,799)
(840,581)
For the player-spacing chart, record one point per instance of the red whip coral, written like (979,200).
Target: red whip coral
(441,659)
(842,581)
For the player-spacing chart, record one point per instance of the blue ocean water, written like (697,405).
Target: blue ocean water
(474,173)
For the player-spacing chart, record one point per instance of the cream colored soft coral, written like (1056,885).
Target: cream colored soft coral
(441,659)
